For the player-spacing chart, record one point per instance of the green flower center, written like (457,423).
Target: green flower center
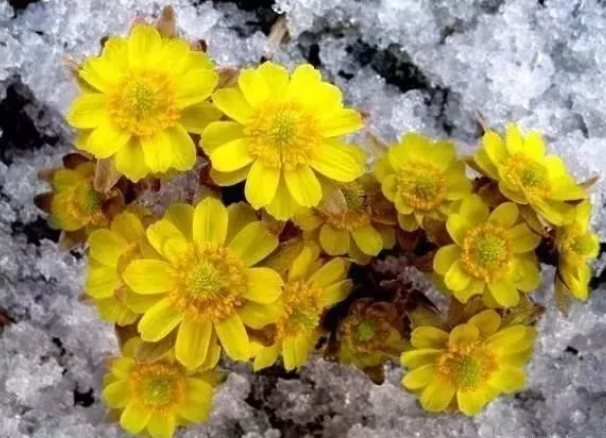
(421,185)
(522,172)
(486,253)
(302,309)
(159,387)
(366,330)
(467,366)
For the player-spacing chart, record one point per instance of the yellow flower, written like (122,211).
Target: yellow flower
(475,363)
(492,254)
(282,133)
(350,220)
(576,245)
(75,204)
(143,95)
(527,176)
(421,178)
(311,287)
(110,251)
(204,283)
(157,397)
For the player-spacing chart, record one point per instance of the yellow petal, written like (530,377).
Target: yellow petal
(233,337)
(382,168)
(253,243)
(88,111)
(157,151)
(556,212)
(526,275)
(100,73)
(341,122)
(483,161)
(199,400)
(421,357)
(338,161)
(106,247)
(300,265)
(283,207)
(264,285)
(437,396)
(389,188)
(102,281)
(159,321)
(471,402)
(115,50)
(331,272)
(429,337)
(210,221)
(231,102)
(513,139)
(135,418)
(196,118)
(144,45)
(195,86)
(494,147)
(419,377)
(523,239)
(162,426)
(441,153)
(457,227)
(130,161)
(388,235)
(117,395)
(161,232)
(505,293)
(304,78)
(253,86)
(512,193)
(334,241)
(128,226)
(266,357)
(226,179)
(149,276)
(445,258)
(509,379)
(303,186)
(231,156)
(473,210)
(463,334)
(193,340)
(475,287)
(457,278)
(336,292)
(182,217)
(508,337)
(368,239)
(457,184)
(217,134)
(139,303)
(534,146)
(183,148)
(487,322)
(295,351)
(261,184)
(257,315)
(240,214)
(505,215)
(276,77)
(105,140)
(408,222)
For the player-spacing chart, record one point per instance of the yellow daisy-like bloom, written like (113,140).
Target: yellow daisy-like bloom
(576,246)
(75,203)
(470,366)
(142,97)
(157,397)
(492,254)
(527,176)
(422,178)
(110,251)
(282,133)
(204,281)
(350,220)
(311,287)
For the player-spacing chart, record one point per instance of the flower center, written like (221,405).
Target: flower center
(525,173)
(349,220)
(211,282)
(486,253)
(283,134)
(421,185)
(467,366)
(144,103)
(578,245)
(302,309)
(159,387)
(365,330)
(85,204)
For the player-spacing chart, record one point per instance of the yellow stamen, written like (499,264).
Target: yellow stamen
(523,172)
(159,387)
(211,282)
(486,253)
(421,185)
(283,134)
(467,366)
(143,103)
(302,309)
(349,220)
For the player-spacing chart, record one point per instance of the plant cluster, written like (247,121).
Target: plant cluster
(293,247)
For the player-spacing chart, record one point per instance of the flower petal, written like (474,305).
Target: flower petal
(276,77)
(88,111)
(509,379)
(233,337)
(445,258)
(295,350)
(457,278)
(463,334)
(231,102)
(253,243)
(257,315)
(514,139)
(504,339)
(505,293)
(339,161)
(144,45)
(195,86)
(157,151)
(261,184)
(368,239)
(149,276)
(505,215)
(253,86)
(130,161)
(419,377)
(117,395)
(162,425)
(429,337)
(231,156)
(487,322)
(336,292)
(210,221)
(264,285)
(437,396)
(523,239)
(193,340)
(266,357)
(105,140)
(331,272)
(283,207)
(226,179)
(101,281)
(334,241)
(134,418)
(159,321)
(182,217)
(494,147)
(303,186)
(128,226)
(106,247)
(471,402)
(217,134)
(341,122)
(183,148)
(196,118)
(421,357)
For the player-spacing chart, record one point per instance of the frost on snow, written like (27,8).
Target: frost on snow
(437,66)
